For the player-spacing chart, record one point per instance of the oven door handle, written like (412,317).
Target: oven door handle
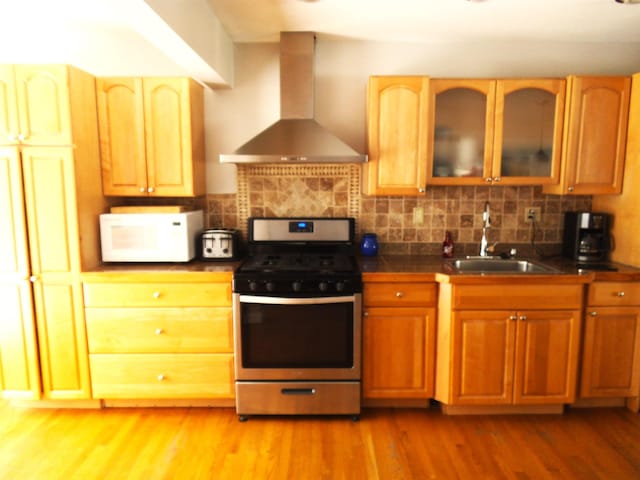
(295,301)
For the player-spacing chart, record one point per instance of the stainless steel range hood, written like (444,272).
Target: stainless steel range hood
(297,137)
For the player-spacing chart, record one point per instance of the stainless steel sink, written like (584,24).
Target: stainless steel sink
(499,265)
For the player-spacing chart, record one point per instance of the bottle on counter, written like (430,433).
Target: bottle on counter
(369,245)
(447,245)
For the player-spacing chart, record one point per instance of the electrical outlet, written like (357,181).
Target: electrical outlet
(418,216)
(532,214)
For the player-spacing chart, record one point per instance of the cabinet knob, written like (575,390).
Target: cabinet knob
(33,278)
(513,317)
(619,294)
(421,190)
(160,377)
(142,189)
(159,331)
(570,189)
(156,294)
(593,314)
(150,190)
(21,137)
(399,294)
(366,314)
(12,137)
(523,317)
(497,179)
(488,179)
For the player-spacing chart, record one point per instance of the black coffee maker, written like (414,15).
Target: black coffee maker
(586,237)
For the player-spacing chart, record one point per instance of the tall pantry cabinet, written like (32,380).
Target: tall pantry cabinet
(50,198)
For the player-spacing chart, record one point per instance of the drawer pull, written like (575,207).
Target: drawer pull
(399,294)
(298,391)
(619,294)
(159,331)
(160,377)
(593,314)
(156,294)
(523,317)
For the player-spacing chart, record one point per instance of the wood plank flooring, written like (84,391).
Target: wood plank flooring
(210,443)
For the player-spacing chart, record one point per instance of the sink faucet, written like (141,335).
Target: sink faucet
(486,223)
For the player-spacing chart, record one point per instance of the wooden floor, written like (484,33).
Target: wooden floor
(210,443)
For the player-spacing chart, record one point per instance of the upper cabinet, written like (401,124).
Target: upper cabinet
(35,102)
(594,142)
(151,136)
(396,123)
(495,131)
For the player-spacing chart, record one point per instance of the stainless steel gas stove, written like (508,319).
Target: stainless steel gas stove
(297,319)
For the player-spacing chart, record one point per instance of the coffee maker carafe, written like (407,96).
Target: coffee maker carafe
(586,237)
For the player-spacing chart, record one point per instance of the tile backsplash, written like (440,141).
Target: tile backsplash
(334,190)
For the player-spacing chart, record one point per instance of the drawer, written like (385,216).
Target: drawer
(162,375)
(392,294)
(160,330)
(535,297)
(614,293)
(161,294)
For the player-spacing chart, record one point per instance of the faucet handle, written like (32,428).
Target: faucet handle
(492,248)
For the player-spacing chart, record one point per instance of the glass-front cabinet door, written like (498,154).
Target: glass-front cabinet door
(495,131)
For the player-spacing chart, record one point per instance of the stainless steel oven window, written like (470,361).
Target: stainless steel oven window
(303,334)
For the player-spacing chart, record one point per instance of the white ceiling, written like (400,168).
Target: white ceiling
(433,20)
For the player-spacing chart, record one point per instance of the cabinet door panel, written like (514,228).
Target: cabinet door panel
(611,357)
(13,239)
(62,340)
(43,104)
(398,351)
(396,135)
(546,356)
(121,126)
(9,125)
(483,363)
(19,373)
(51,209)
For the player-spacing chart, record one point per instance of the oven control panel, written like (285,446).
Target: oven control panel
(298,286)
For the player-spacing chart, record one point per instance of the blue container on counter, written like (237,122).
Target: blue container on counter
(369,245)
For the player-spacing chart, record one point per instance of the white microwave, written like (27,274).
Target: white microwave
(149,237)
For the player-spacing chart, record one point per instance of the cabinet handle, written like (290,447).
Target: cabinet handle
(593,314)
(159,331)
(160,377)
(399,294)
(619,294)
(523,317)
(150,190)
(570,189)
(513,317)
(156,294)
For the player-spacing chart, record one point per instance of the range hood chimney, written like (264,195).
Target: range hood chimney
(296,137)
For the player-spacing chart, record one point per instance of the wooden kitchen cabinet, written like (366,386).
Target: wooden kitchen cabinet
(497,345)
(595,136)
(151,136)
(398,341)
(47,201)
(611,350)
(498,132)
(396,140)
(160,339)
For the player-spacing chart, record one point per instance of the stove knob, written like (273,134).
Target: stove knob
(323,286)
(297,286)
(253,286)
(271,287)
(340,286)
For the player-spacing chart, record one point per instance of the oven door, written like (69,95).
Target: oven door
(285,338)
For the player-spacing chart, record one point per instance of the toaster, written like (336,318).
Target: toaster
(219,244)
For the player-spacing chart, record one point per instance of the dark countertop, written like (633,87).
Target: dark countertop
(428,267)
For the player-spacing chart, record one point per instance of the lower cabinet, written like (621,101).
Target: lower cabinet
(398,340)
(160,340)
(611,349)
(508,344)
